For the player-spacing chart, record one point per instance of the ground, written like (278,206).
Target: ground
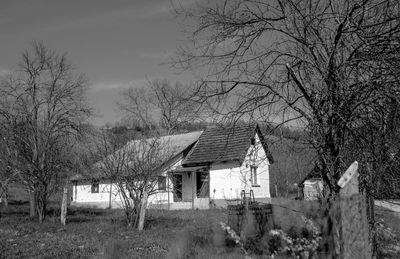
(387,215)
(391,205)
(92,233)
(104,234)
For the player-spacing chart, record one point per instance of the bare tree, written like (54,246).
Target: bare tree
(326,64)
(161,103)
(46,102)
(8,160)
(134,168)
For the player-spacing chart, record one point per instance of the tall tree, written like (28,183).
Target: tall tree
(160,103)
(327,64)
(46,102)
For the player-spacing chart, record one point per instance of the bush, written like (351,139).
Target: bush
(303,244)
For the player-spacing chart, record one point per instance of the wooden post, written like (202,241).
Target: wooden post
(194,176)
(76,191)
(142,212)
(109,203)
(64,206)
(168,191)
(32,203)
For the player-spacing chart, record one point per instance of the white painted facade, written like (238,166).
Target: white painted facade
(226,181)
(312,189)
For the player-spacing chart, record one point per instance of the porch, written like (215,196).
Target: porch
(190,188)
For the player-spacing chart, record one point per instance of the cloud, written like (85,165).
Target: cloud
(155,55)
(100,86)
(4,72)
(164,7)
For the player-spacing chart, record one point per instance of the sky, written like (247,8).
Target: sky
(116,44)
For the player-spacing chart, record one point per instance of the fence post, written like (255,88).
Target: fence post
(353,225)
(64,206)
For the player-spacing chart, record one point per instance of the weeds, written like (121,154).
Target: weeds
(387,242)
(278,242)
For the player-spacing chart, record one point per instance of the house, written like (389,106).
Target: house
(208,168)
(311,187)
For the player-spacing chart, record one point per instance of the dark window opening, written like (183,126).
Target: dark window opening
(95,187)
(253,141)
(162,183)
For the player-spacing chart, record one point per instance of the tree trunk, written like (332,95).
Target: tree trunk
(41,212)
(32,204)
(64,206)
(142,212)
(5,199)
(41,207)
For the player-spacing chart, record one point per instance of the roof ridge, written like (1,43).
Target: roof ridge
(172,135)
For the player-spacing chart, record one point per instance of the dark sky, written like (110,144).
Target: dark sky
(117,43)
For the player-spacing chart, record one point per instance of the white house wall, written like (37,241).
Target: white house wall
(313,189)
(83,196)
(227,180)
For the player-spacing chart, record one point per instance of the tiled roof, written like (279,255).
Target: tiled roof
(175,143)
(223,144)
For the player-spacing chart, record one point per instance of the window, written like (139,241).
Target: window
(95,187)
(162,183)
(253,176)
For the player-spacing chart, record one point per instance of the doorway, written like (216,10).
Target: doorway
(202,184)
(177,182)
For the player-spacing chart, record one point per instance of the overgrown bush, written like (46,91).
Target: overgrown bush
(293,243)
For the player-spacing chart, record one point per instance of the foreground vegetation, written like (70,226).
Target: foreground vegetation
(95,233)
(92,233)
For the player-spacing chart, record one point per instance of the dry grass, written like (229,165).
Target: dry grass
(388,236)
(94,233)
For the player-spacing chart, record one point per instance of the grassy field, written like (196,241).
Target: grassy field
(92,233)
(104,234)
(388,238)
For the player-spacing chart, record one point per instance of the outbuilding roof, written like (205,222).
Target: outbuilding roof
(314,174)
(220,144)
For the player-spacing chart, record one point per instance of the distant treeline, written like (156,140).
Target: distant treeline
(267,129)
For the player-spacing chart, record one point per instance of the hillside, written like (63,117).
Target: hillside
(293,160)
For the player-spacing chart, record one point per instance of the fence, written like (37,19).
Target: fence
(257,220)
